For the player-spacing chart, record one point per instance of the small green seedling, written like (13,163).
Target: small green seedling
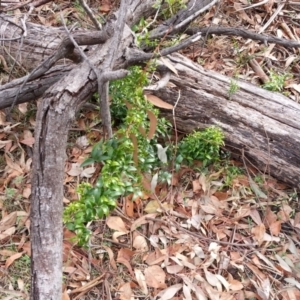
(233,88)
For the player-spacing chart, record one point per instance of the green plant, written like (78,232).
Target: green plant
(170,7)
(142,34)
(78,7)
(276,83)
(19,269)
(124,158)
(166,8)
(118,177)
(259,179)
(231,172)
(10,193)
(241,57)
(233,88)
(201,145)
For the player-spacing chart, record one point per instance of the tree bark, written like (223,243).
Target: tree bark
(54,116)
(257,123)
(261,125)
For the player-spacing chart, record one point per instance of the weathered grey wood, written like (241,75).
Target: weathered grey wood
(260,124)
(40,43)
(263,125)
(32,90)
(54,117)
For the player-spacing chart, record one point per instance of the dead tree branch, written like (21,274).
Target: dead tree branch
(245,34)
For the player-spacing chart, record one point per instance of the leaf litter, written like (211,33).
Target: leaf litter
(199,242)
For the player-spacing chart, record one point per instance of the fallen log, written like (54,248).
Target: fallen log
(261,125)
(257,123)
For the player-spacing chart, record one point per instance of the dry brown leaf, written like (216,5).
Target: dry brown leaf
(155,277)
(140,244)
(270,217)
(291,294)
(11,259)
(28,141)
(187,292)
(125,292)
(125,253)
(142,220)
(65,296)
(117,234)
(250,294)
(129,206)
(235,256)
(213,294)
(240,296)
(6,252)
(264,290)
(259,232)
(111,257)
(255,216)
(242,212)
(284,213)
(275,228)
(197,188)
(12,165)
(4,143)
(256,261)
(175,179)
(8,221)
(221,195)
(69,270)
(21,284)
(174,269)
(209,209)
(169,292)
(27,191)
(155,257)
(126,263)
(243,180)
(212,280)
(297,220)
(283,264)
(223,281)
(105,8)
(152,206)
(235,285)
(242,14)
(27,248)
(23,108)
(116,223)
(169,65)
(142,131)
(75,170)
(140,278)
(153,124)
(203,183)
(256,271)
(7,233)
(158,102)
